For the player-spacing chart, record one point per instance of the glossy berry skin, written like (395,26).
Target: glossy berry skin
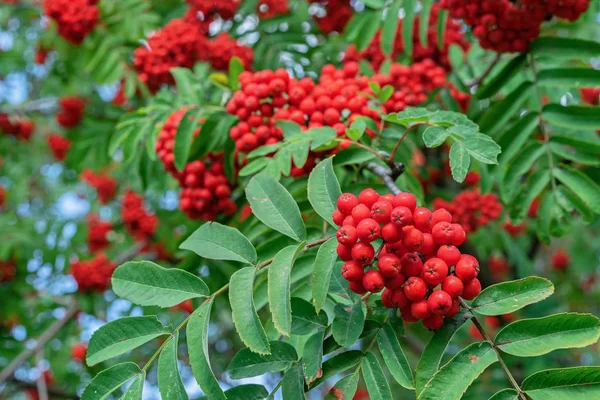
(395,282)
(415,288)
(440,215)
(467,269)
(453,286)
(368,197)
(434,271)
(439,302)
(401,216)
(389,265)
(459,235)
(455,309)
(338,217)
(360,212)
(434,322)
(352,271)
(346,202)
(391,233)
(412,265)
(428,245)
(357,287)
(386,298)
(78,351)
(472,289)
(420,309)
(363,253)
(381,211)
(368,230)
(347,235)
(344,252)
(413,239)
(373,281)
(443,232)
(422,219)
(450,254)
(404,199)
(399,298)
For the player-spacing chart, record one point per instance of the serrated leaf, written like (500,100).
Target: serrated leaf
(482,147)
(148,284)
(447,119)
(292,386)
(543,218)
(582,185)
(459,161)
(500,79)
(255,166)
(514,138)
(246,392)
(246,363)
(324,190)
(368,29)
(519,166)
(454,378)
(338,364)
(122,335)
(348,323)
(169,381)
(390,27)
(305,320)
(275,206)
(394,357)
(578,204)
(185,136)
(312,358)
(321,276)
(564,47)
(197,340)
(407,26)
(505,394)
(537,336)
(435,349)
(410,115)
(500,113)
(572,116)
(377,384)
(109,380)
(578,383)
(345,388)
(507,297)
(435,136)
(219,242)
(279,287)
(135,390)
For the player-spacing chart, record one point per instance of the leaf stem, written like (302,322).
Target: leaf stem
(393,155)
(487,71)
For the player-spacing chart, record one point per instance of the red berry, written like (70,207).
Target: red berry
(346,202)
(459,235)
(404,199)
(560,260)
(440,215)
(467,268)
(348,221)
(455,309)
(347,235)
(412,265)
(381,211)
(420,309)
(357,287)
(439,302)
(422,219)
(344,252)
(368,230)
(352,271)
(389,265)
(415,288)
(395,248)
(406,315)
(434,322)
(373,281)
(450,254)
(78,351)
(434,271)
(453,286)
(401,216)
(338,217)
(391,233)
(363,253)
(395,282)
(386,298)
(428,245)
(399,298)
(443,232)
(368,197)
(360,212)
(472,289)
(413,239)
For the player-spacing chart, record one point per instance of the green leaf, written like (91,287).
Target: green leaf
(246,363)
(321,276)
(578,204)
(197,340)
(500,79)
(394,357)
(184,80)
(574,154)
(255,166)
(305,320)
(582,185)
(121,335)
(579,383)
(148,284)
(454,378)
(235,69)
(219,242)
(348,323)
(390,27)
(435,349)
(345,388)
(275,206)
(500,113)
(279,287)
(185,136)
(312,358)
(459,161)
(543,218)
(519,166)
(508,297)
(375,4)
(169,381)
(338,364)
(244,314)
(564,47)
(135,390)
(505,394)
(407,26)
(324,190)
(569,77)
(368,29)
(292,387)
(410,115)
(481,147)
(537,336)
(424,22)
(246,392)
(109,380)
(435,136)
(514,138)
(441,26)
(573,117)
(374,377)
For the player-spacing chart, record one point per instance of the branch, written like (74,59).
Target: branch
(46,105)
(388,175)
(130,253)
(485,73)
(40,342)
(42,389)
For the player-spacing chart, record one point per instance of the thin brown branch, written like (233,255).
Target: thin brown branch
(485,73)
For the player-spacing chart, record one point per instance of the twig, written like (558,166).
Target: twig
(44,105)
(42,389)
(395,149)
(130,253)
(387,175)
(485,73)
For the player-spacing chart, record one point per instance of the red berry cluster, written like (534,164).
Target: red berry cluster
(8,271)
(71,111)
(560,260)
(138,222)
(417,265)
(271,8)
(333,15)
(206,192)
(165,142)
(105,186)
(93,275)
(97,233)
(452,35)
(79,351)
(590,96)
(472,178)
(59,145)
(205,11)
(19,127)
(471,209)
(222,48)
(75,18)
(506,26)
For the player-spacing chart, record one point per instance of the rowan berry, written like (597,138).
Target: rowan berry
(439,302)
(422,219)
(344,252)
(420,309)
(389,265)
(357,287)
(368,197)
(434,271)
(395,282)
(404,199)
(412,265)
(450,254)
(346,202)
(347,235)
(391,233)
(434,322)
(413,239)
(360,212)
(401,216)
(362,253)
(453,286)
(381,211)
(472,289)
(368,230)
(386,298)
(443,232)
(467,268)
(352,271)
(373,281)
(415,288)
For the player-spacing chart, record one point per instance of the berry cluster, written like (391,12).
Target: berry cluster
(560,260)
(471,209)
(452,35)
(222,48)
(506,26)
(19,127)
(75,18)
(59,145)
(8,271)
(333,14)
(79,351)
(93,275)
(417,264)
(205,11)
(105,186)
(271,8)
(165,142)
(71,111)
(97,233)
(138,222)
(590,95)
